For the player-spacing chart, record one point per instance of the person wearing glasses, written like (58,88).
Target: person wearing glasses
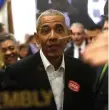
(78,42)
(8,48)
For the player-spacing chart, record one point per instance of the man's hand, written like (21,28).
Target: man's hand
(96,53)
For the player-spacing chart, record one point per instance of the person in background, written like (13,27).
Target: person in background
(2,28)
(69,80)
(26,37)
(78,42)
(33,47)
(92,33)
(9,49)
(23,51)
(96,54)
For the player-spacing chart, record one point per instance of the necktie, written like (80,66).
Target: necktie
(79,51)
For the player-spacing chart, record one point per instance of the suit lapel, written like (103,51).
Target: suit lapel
(98,71)
(69,92)
(103,82)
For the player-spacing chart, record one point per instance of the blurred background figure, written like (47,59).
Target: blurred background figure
(26,37)
(9,49)
(78,42)
(23,51)
(92,33)
(2,27)
(33,46)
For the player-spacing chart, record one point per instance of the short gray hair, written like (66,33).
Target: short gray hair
(50,12)
(79,25)
(7,36)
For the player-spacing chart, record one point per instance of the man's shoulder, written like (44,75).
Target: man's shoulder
(80,70)
(75,61)
(77,64)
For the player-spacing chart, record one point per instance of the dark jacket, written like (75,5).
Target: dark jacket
(70,50)
(101,91)
(29,74)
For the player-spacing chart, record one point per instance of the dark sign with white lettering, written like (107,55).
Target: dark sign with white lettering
(87,12)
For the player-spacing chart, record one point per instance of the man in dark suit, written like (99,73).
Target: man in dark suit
(69,80)
(78,42)
(8,48)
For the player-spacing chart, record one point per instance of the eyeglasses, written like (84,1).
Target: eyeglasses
(46,29)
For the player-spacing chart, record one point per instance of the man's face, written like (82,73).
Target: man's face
(77,35)
(50,30)
(23,52)
(91,34)
(9,52)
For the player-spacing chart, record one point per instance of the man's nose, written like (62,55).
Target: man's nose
(8,52)
(75,36)
(53,35)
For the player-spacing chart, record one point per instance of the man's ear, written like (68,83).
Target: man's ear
(37,38)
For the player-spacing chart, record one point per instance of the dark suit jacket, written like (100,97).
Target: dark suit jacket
(70,51)
(101,91)
(30,74)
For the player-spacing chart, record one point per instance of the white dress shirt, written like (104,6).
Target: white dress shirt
(76,48)
(56,79)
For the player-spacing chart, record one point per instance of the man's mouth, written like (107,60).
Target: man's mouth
(11,57)
(53,47)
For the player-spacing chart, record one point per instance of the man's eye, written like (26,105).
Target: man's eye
(105,29)
(11,48)
(45,30)
(59,28)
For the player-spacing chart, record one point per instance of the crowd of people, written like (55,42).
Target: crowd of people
(10,48)
(57,68)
